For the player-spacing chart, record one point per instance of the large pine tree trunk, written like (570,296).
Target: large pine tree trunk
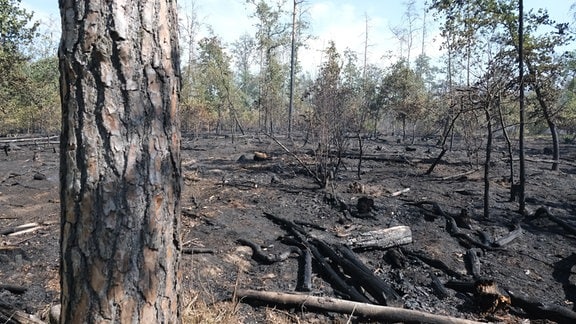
(120,162)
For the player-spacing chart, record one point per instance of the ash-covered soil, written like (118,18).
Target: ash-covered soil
(225,200)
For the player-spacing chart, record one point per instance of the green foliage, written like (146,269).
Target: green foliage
(338,110)
(492,25)
(272,37)
(14,33)
(326,93)
(328,120)
(32,102)
(214,91)
(29,97)
(567,115)
(403,91)
(244,53)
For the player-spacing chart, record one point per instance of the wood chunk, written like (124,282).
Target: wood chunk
(396,258)
(472,262)
(306,266)
(39,176)
(356,188)
(335,277)
(260,156)
(365,205)
(508,238)
(20,228)
(18,290)
(439,288)
(488,296)
(382,238)
(197,251)
(399,192)
(242,159)
(10,315)
(463,219)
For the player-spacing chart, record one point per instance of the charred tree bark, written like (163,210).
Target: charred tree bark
(521,139)
(487,162)
(120,170)
(544,103)
(508,145)
(360,156)
(443,144)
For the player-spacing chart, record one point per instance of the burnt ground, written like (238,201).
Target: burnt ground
(225,200)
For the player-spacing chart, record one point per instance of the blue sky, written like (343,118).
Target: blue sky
(340,20)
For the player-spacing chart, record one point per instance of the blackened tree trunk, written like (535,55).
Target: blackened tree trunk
(551,125)
(522,150)
(487,161)
(120,171)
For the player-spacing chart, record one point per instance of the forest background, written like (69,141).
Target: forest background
(441,70)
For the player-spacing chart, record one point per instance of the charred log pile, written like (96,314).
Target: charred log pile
(336,261)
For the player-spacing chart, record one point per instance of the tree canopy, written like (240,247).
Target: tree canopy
(245,84)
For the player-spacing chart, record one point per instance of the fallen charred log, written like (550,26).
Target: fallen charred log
(454,223)
(197,251)
(374,312)
(382,238)
(18,290)
(439,287)
(464,238)
(490,298)
(10,315)
(259,255)
(438,264)
(542,310)
(543,212)
(511,236)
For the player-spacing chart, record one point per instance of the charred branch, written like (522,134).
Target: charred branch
(261,256)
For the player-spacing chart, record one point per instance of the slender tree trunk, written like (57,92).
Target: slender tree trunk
(555,144)
(507,138)
(551,126)
(120,171)
(522,173)
(487,164)
(443,144)
(403,128)
(292,69)
(360,156)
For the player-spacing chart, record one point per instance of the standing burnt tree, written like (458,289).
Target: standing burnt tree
(120,162)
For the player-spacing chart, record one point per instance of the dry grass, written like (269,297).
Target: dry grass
(198,311)
(201,308)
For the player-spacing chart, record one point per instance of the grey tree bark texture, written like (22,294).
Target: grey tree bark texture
(120,171)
